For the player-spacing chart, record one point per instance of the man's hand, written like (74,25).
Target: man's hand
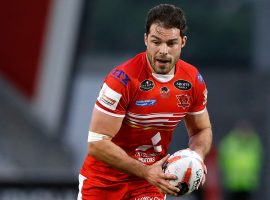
(204,170)
(204,176)
(155,176)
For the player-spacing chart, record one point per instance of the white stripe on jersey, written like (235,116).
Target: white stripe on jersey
(157,115)
(153,120)
(108,113)
(148,125)
(169,120)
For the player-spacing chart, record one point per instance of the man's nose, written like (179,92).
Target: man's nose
(163,49)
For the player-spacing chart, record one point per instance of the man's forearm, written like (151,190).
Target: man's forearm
(116,157)
(201,142)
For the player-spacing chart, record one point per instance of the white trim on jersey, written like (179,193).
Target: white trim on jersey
(108,113)
(81,180)
(156,115)
(153,120)
(197,113)
(149,125)
(163,78)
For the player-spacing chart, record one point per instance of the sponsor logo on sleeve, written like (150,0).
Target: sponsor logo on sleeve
(182,85)
(121,76)
(108,97)
(183,100)
(148,102)
(200,78)
(146,85)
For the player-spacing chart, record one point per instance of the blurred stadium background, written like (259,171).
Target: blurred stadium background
(54,55)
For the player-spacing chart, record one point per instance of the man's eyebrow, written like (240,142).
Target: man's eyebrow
(155,37)
(170,40)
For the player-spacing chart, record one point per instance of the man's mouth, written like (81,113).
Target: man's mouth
(162,60)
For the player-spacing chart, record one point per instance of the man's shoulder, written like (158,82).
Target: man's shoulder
(187,66)
(132,68)
(186,69)
(135,64)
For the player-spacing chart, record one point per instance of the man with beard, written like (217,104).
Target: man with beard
(138,107)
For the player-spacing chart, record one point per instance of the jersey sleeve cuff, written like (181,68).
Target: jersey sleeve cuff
(197,112)
(107,112)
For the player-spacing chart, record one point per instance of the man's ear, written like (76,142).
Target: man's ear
(145,39)
(184,41)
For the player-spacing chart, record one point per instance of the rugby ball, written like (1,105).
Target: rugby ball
(188,166)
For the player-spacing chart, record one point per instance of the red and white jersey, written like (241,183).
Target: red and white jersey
(152,105)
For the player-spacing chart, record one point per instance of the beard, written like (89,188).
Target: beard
(161,64)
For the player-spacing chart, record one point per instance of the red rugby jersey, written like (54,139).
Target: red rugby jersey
(152,106)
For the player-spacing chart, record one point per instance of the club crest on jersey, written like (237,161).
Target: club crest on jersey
(183,100)
(182,85)
(121,76)
(164,92)
(147,85)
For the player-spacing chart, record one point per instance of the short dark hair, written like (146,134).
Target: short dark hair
(167,15)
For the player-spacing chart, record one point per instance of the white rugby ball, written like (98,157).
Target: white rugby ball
(188,166)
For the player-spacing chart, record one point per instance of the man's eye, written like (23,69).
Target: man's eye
(156,42)
(172,43)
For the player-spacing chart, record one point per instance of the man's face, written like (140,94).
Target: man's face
(163,48)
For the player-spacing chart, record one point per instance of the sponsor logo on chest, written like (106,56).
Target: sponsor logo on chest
(147,102)
(182,85)
(146,85)
(160,92)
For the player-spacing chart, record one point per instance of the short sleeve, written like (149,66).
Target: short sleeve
(199,96)
(113,98)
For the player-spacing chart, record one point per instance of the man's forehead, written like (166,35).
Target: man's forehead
(160,31)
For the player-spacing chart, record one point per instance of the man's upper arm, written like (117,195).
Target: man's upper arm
(112,103)
(104,123)
(198,122)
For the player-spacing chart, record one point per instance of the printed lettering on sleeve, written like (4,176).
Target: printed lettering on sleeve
(108,97)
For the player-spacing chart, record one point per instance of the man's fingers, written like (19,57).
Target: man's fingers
(164,159)
(169,176)
(203,179)
(169,189)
